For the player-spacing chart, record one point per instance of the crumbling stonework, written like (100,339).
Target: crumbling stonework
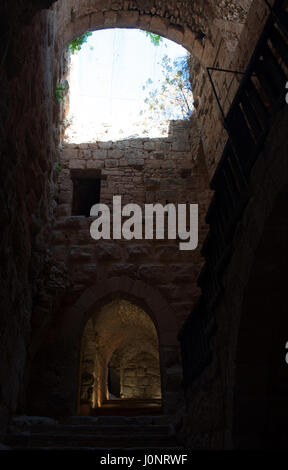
(233,11)
(140,170)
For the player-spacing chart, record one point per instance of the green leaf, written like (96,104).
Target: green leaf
(155,38)
(58,167)
(60,89)
(76,44)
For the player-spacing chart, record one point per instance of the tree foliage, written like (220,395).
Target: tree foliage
(155,38)
(171,99)
(76,44)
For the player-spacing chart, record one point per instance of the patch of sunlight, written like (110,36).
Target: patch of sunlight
(107,85)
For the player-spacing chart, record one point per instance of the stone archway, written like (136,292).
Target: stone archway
(110,19)
(184,26)
(139,292)
(210,33)
(155,305)
(57,383)
(121,338)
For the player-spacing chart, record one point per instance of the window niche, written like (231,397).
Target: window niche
(86,190)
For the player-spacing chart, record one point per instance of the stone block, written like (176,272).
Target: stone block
(154,273)
(70,153)
(176,33)
(136,162)
(110,18)
(115,153)
(95,164)
(99,154)
(149,145)
(158,155)
(127,19)
(77,164)
(107,251)
(180,146)
(159,25)
(111,163)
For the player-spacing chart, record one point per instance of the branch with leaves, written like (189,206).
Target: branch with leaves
(173,99)
(155,38)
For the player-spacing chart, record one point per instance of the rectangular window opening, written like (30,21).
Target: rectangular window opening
(86,191)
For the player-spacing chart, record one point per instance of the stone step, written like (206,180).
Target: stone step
(98,429)
(91,433)
(24,421)
(141,440)
(117,420)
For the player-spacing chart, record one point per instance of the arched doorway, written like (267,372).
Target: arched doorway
(54,386)
(119,358)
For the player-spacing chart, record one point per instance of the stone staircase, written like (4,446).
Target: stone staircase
(92,433)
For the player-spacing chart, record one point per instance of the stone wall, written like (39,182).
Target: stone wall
(158,262)
(232,47)
(140,377)
(243,368)
(140,170)
(28,142)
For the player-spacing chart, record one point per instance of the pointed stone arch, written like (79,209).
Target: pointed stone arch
(140,293)
(58,385)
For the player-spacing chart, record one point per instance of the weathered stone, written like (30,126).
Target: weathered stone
(99,154)
(77,164)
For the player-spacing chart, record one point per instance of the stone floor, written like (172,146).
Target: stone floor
(100,433)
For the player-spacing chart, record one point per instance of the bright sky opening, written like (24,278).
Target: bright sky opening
(106,86)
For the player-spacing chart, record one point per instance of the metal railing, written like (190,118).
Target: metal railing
(260,95)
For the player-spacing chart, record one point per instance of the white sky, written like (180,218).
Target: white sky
(106,82)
